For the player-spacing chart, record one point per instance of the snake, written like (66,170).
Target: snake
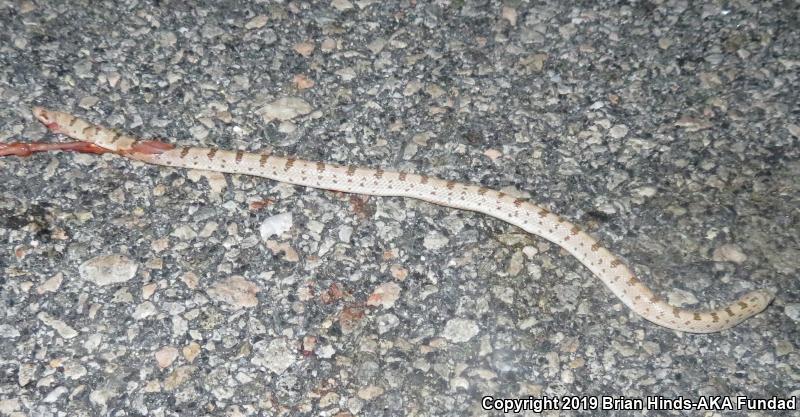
(531,217)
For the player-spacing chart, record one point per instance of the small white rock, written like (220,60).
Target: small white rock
(256,22)
(184,232)
(729,253)
(275,355)
(435,241)
(646,191)
(304,48)
(8,406)
(341,5)
(108,269)
(51,285)
(460,330)
(793,129)
(792,311)
(59,326)
(236,291)
(376,46)
(285,108)
(55,394)
(326,352)
(26,373)
(101,396)
(167,39)
(567,376)
(8,331)
(509,13)
(618,131)
(74,370)
(287,127)
(198,132)
(412,88)
(83,69)
(345,233)
(384,295)
(275,225)
(88,102)
(165,356)
(678,297)
(369,392)
(347,74)
(144,310)
(387,322)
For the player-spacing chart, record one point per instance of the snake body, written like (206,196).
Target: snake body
(531,217)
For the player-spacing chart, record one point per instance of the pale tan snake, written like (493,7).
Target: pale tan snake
(529,216)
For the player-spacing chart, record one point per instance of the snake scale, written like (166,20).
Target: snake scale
(531,217)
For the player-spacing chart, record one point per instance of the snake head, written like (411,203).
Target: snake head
(46,117)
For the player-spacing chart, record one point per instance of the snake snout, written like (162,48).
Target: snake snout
(41,114)
(47,118)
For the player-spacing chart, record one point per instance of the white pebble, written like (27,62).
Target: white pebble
(275,225)
(345,233)
(384,295)
(276,355)
(618,131)
(342,5)
(108,269)
(256,22)
(793,311)
(165,356)
(235,291)
(8,332)
(199,132)
(460,330)
(184,232)
(144,310)
(435,241)
(729,253)
(63,329)
(88,102)
(285,108)
(55,394)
